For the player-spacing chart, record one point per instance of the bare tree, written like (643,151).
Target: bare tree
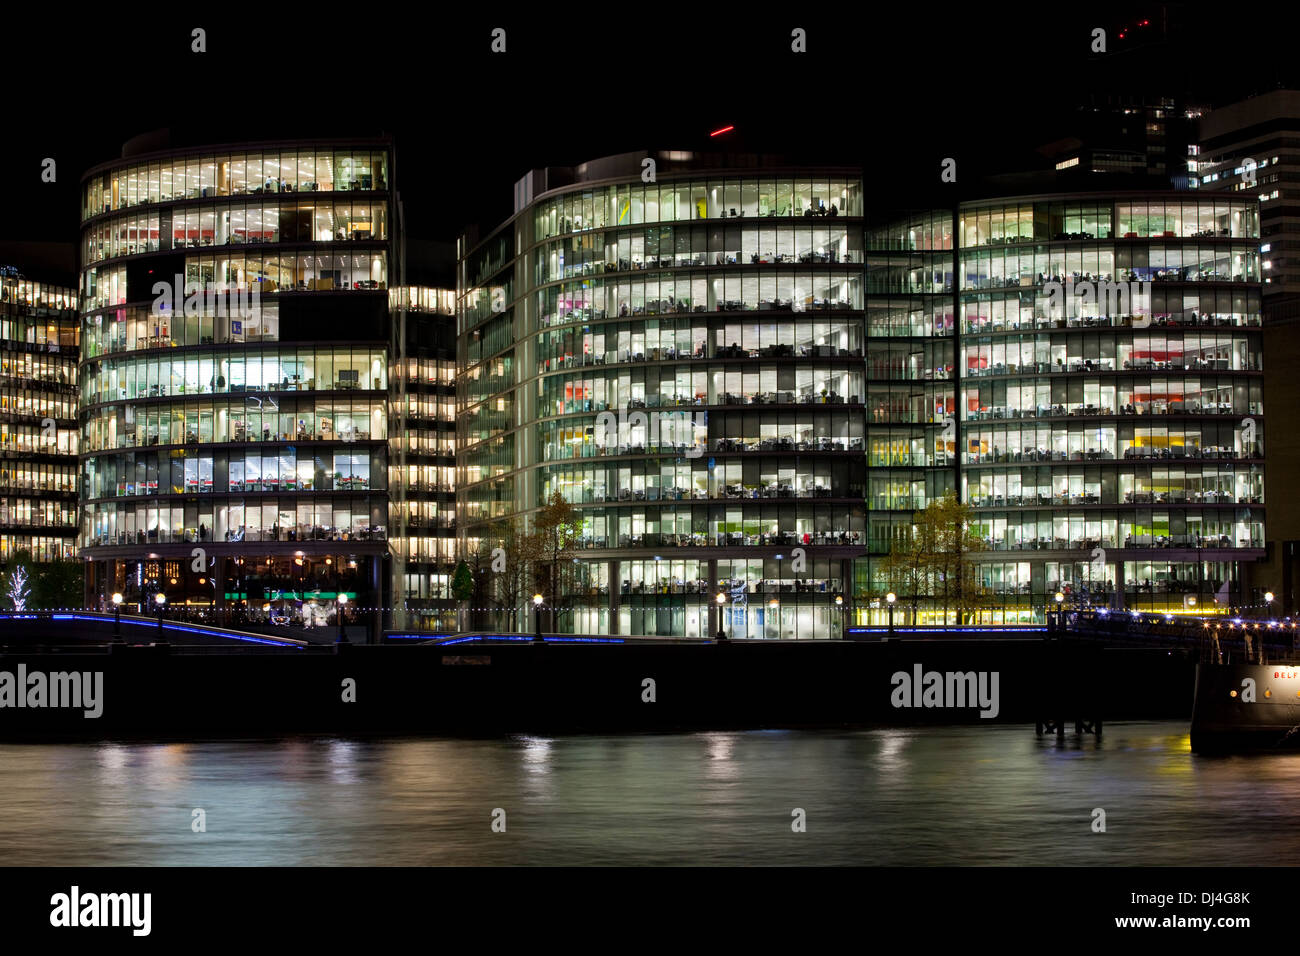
(556,528)
(509,569)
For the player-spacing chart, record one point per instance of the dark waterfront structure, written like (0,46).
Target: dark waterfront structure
(39,336)
(235,449)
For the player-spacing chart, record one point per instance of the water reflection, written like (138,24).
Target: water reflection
(972,795)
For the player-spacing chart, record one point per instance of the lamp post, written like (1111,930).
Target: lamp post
(890,598)
(160,600)
(1060,600)
(774,613)
(537,617)
(721,599)
(117,616)
(343,604)
(1268,600)
(839,606)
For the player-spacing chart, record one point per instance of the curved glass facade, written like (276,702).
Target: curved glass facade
(719,368)
(683,361)
(233,401)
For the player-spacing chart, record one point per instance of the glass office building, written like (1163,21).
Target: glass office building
(1100,394)
(728,364)
(422,455)
(39,335)
(234,443)
(683,361)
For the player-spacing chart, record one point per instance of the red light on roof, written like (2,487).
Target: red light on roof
(719,132)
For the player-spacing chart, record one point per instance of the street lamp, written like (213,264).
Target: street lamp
(343,603)
(1060,600)
(721,599)
(160,599)
(117,615)
(537,615)
(839,605)
(1268,599)
(890,598)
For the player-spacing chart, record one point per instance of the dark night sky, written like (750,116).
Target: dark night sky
(895,92)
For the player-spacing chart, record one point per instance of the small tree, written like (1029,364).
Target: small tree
(17,591)
(462,588)
(907,568)
(511,585)
(556,528)
(954,540)
(481,575)
(933,559)
(58,584)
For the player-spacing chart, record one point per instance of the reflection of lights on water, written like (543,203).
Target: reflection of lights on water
(892,744)
(341,755)
(722,763)
(152,765)
(537,754)
(112,756)
(721,746)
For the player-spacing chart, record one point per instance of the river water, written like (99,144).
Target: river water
(960,795)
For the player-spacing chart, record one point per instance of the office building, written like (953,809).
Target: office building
(234,444)
(1083,370)
(422,456)
(1111,397)
(682,360)
(1127,137)
(39,336)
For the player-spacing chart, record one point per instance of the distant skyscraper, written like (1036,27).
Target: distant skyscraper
(1252,149)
